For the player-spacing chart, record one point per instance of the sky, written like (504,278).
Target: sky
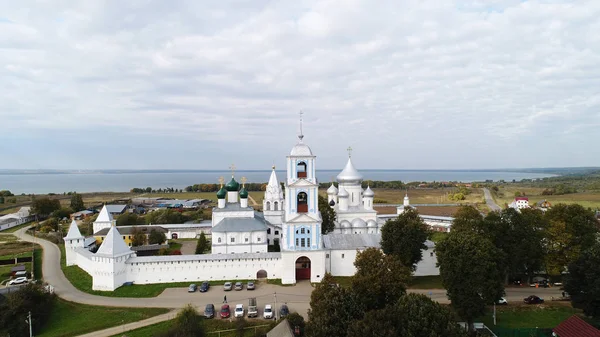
(202,84)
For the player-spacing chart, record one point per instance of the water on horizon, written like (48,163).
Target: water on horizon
(125,181)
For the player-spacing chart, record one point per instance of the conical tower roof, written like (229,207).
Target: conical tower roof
(104,215)
(349,173)
(273,190)
(74,232)
(113,244)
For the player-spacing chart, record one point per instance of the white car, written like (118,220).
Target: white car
(502,301)
(18,280)
(268,313)
(239,310)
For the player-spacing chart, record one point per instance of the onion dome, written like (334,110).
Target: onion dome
(332,189)
(243,193)
(371,223)
(332,203)
(358,223)
(222,193)
(349,174)
(232,185)
(343,193)
(369,192)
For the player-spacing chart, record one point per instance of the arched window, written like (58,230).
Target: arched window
(275,206)
(302,202)
(301,169)
(219,240)
(268,205)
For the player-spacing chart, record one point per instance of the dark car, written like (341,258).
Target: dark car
(204,287)
(209,311)
(284,311)
(192,288)
(225,312)
(533,300)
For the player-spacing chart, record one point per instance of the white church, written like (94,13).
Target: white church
(241,235)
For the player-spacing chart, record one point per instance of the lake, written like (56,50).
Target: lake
(123,181)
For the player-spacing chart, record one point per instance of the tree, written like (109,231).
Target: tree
(559,250)
(13,312)
(187,323)
(328,216)
(582,281)
(467,218)
(77,202)
(332,309)
(137,237)
(1,199)
(412,315)
(156,237)
(379,279)
(165,216)
(6,193)
(45,206)
(63,212)
(129,219)
(579,222)
(471,268)
(296,322)
(202,244)
(404,237)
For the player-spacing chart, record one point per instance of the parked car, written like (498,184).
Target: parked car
(252,308)
(239,311)
(18,280)
(227,286)
(250,286)
(209,311)
(284,311)
(239,286)
(192,288)
(268,313)
(540,284)
(204,287)
(502,301)
(533,300)
(225,312)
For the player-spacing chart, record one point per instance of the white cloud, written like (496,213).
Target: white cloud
(431,76)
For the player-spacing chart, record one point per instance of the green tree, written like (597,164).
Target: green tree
(165,216)
(379,279)
(467,218)
(137,237)
(13,312)
(202,244)
(328,216)
(472,271)
(412,315)
(44,206)
(579,222)
(77,202)
(297,322)
(156,237)
(1,199)
(187,323)
(582,281)
(404,237)
(129,219)
(559,250)
(332,309)
(63,212)
(6,193)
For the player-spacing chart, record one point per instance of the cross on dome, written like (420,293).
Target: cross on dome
(349,149)
(300,136)
(232,168)
(243,180)
(221,180)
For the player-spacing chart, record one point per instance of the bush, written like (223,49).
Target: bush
(13,312)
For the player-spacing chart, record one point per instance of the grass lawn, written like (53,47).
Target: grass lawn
(210,325)
(16,228)
(38,253)
(8,238)
(437,236)
(529,316)
(586,199)
(426,282)
(343,281)
(426,196)
(72,319)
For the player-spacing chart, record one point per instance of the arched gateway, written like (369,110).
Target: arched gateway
(303,268)
(261,274)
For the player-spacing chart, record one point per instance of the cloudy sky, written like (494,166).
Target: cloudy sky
(201,84)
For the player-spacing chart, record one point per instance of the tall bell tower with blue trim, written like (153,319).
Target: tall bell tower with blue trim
(302,222)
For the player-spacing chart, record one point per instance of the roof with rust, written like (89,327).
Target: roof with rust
(575,327)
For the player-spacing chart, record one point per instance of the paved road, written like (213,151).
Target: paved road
(490,201)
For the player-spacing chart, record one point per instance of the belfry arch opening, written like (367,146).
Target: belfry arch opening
(301,169)
(302,202)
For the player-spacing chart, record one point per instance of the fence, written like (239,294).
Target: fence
(524,332)
(225,332)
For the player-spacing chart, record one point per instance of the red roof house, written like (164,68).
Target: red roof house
(575,327)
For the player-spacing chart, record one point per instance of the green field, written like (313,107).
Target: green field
(38,253)
(73,319)
(506,195)
(529,316)
(211,325)
(426,282)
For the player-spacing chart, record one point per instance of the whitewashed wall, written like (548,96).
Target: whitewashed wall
(427,266)
(227,269)
(288,269)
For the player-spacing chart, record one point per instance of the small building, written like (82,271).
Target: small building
(81,215)
(127,232)
(543,205)
(148,250)
(519,203)
(20,217)
(283,329)
(575,327)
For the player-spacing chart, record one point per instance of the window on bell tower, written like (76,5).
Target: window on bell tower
(302,202)
(301,170)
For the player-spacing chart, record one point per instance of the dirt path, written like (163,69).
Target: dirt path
(254,203)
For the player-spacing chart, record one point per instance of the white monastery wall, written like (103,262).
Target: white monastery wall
(427,266)
(288,270)
(341,263)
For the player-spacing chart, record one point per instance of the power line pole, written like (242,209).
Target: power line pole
(276,311)
(28,320)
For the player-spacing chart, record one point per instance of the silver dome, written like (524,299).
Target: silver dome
(349,174)
(343,193)
(332,189)
(301,150)
(369,192)
(358,223)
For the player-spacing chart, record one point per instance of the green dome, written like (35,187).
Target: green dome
(232,185)
(222,193)
(244,193)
